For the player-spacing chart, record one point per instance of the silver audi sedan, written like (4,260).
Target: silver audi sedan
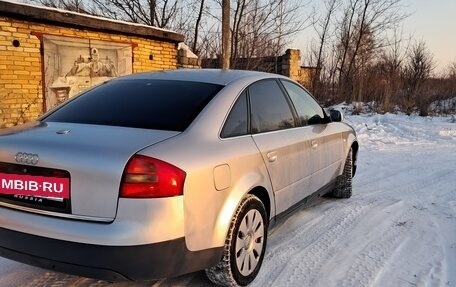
(159,174)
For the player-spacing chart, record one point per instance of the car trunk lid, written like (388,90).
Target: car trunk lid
(93,156)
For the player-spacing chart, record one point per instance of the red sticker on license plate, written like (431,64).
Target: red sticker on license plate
(39,186)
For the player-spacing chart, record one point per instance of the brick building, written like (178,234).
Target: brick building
(48,55)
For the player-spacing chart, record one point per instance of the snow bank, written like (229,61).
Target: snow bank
(392,130)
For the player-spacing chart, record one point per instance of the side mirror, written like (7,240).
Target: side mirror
(336,116)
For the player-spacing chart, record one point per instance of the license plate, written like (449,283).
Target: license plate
(33,185)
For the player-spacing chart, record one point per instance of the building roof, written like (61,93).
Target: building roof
(66,18)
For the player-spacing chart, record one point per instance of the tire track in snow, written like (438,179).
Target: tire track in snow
(408,187)
(419,196)
(412,265)
(374,256)
(306,252)
(55,279)
(281,243)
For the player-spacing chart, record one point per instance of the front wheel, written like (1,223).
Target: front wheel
(344,182)
(244,246)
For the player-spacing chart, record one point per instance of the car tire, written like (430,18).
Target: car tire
(244,246)
(343,187)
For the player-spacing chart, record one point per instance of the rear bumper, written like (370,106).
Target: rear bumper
(110,263)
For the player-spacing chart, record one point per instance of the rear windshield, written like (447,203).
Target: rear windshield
(149,104)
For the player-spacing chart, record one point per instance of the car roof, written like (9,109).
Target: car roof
(213,76)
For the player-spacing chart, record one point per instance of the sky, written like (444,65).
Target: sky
(434,22)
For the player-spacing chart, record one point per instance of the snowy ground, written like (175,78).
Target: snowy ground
(398,229)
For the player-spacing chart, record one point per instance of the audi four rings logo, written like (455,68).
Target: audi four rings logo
(27,158)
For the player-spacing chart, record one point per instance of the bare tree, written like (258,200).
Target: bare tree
(259,28)
(451,71)
(449,92)
(149,12)
(264,28)
(391,65)
(153,8)
(197,25)
(420,64)
(322,27)
(238,16)
(70,5)
(363,28)
(346,36)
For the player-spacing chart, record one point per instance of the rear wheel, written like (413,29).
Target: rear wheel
(344,182)
(244,247)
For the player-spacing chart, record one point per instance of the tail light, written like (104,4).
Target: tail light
(146,177)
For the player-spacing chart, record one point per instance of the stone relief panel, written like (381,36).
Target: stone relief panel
(72,65)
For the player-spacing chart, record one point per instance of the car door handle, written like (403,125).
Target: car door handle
(314,144)
(272,156)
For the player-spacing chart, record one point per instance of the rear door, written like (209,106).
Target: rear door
(284,145)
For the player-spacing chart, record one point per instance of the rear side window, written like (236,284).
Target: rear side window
(139,103)
(236,123)
(309,111)
(270,110)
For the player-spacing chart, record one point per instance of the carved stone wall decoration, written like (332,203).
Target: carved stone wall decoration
(73,65)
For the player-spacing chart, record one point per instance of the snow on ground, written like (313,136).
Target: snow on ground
(398,228)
